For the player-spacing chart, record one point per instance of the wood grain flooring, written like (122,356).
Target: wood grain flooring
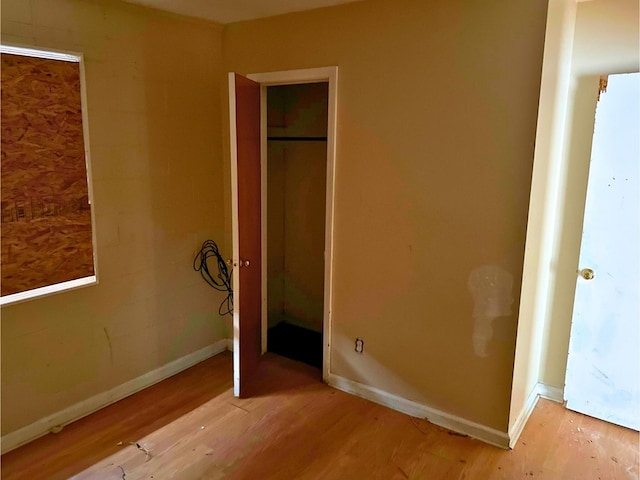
(294,427)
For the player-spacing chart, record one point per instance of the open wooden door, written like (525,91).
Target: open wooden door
(244,111)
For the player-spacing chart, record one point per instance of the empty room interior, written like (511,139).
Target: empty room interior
(333,239)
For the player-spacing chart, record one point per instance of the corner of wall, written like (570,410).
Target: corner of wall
(517,426)
(540,390)
(538,275)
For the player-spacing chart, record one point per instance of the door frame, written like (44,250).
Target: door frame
(292,77)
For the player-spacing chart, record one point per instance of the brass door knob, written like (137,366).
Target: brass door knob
(245,263)
(587,273)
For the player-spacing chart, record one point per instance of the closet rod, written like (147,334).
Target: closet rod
(299,139)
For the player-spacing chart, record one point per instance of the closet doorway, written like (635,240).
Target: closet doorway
(296,184)
(297,164)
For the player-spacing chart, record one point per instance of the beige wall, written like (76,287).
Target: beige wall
(606,37)
(436,126)
(153,85)
(606,41)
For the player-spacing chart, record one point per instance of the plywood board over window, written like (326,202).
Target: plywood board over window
(47,241)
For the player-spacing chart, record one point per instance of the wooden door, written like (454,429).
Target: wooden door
(244,107)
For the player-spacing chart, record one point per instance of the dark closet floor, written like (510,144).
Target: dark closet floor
(296,343)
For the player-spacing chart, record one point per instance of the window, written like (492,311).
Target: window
(47,239)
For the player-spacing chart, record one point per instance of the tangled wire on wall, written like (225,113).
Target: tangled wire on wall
(222,281)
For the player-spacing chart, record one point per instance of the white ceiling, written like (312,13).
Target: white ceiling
(226,11)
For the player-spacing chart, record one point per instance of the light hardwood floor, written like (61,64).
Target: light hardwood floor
(295,427)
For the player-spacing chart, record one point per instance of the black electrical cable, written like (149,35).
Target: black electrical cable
(223,284)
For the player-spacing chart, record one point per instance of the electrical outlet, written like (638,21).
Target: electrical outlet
(359,345)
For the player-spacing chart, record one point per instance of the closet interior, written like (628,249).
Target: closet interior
(297,118)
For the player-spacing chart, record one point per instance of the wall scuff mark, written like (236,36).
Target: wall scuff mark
(106,334)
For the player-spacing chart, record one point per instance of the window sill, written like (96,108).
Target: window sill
(48,290)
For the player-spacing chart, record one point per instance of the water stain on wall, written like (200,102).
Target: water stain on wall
(491,288)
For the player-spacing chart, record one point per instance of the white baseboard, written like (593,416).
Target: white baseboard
(551,393)
(229,344)
(414,409)
(516,429)
(539,390)
(75,412)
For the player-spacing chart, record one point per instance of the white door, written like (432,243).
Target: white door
(603,370)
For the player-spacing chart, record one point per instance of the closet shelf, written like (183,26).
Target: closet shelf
(299,139)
